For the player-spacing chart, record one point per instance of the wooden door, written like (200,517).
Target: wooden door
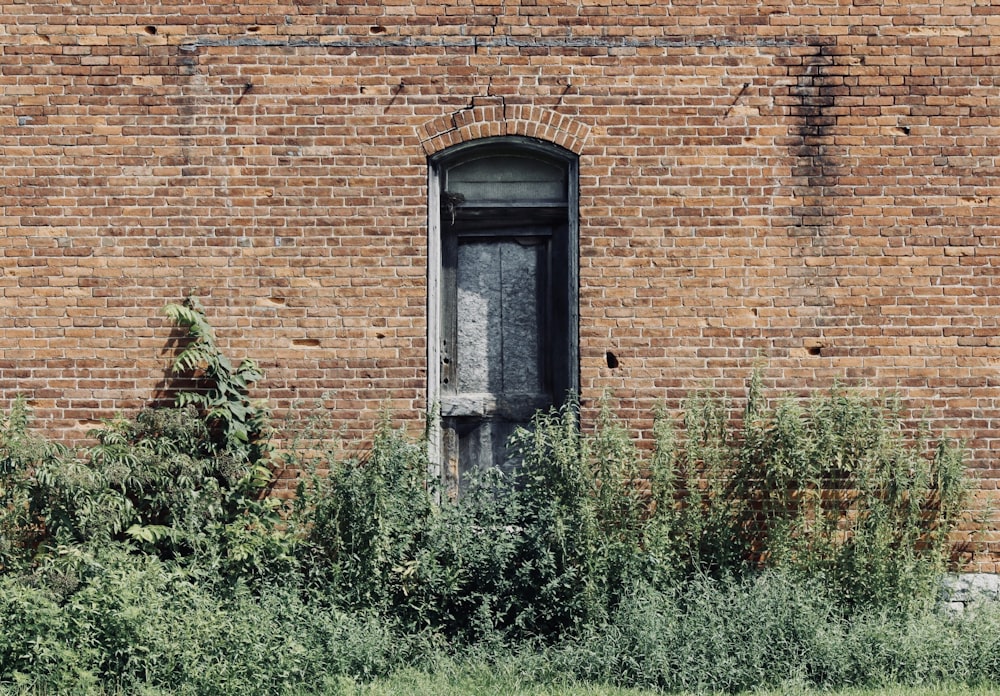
(497,354)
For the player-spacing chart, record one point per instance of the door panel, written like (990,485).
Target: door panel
(498,379)
(498,317)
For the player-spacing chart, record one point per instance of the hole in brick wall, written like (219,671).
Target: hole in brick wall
(151,30)
(815,350)
(305,342)
(254,29)
(376,30)
(271,302)
(612,359)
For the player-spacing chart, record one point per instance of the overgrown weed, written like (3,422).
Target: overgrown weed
(796,543)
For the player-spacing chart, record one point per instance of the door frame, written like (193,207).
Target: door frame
(436,311)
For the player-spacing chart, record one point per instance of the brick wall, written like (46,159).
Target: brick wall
(810,184)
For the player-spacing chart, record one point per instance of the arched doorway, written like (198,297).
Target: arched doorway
(503,337)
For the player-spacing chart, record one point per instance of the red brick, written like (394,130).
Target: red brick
(753,184)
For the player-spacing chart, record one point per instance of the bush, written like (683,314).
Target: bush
(154,483)
(770,630)
(138,624)
(364,520)
(802,541)
(181,483)
(837,490)
(21,454)
(831,492)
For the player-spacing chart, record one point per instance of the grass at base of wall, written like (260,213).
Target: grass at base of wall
(482,683)
(933,690)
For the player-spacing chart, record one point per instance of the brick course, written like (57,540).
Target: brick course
(810,184)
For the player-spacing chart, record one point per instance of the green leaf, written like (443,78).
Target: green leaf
(149,533)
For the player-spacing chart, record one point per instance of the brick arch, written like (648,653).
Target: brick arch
(494,118)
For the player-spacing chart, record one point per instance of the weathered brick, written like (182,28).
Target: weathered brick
(808,183)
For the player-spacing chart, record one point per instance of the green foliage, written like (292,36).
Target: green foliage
(155,484)
(373,536)
(141,625)
(838,490)
(556,520)
(186,498)
(21,454)
(163,483)
(365,519)
(619,502)
(703,538)
(796,545)
(772,630)
(221,390)
(831,491)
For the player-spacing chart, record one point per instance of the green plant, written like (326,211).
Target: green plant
(365,519)
(709,509)
(179,483)
(221,390)
(555,581)
(155,484)
(41,647)
(839,489)
(533,554)
(614,464)
(22,454)
(780,549)
(188,499)
(771,630)
(830,490)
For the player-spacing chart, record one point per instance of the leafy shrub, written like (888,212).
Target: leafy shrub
(163,483)
(694,523)
(769,630)
(21,454)
(801,542)
(832,492)
(220,390)
(39,644)
(187,499)
(837,490)
(555,578)
(138,624)
(374,536)
(533,554)
(833,489)
(365,519)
